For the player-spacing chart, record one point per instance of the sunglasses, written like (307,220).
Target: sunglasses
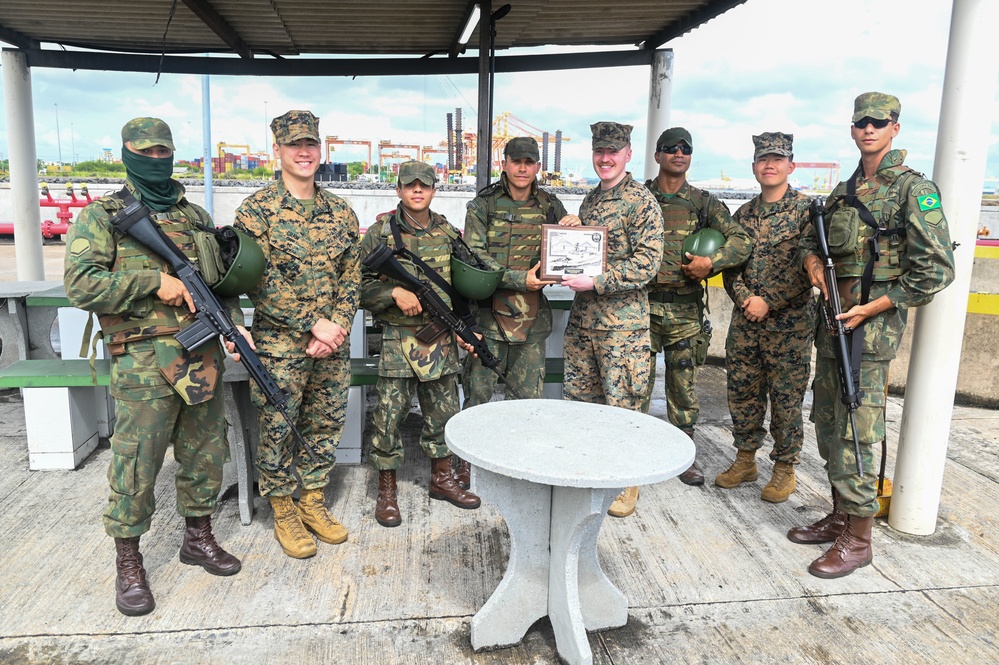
(672,150)
(878,124)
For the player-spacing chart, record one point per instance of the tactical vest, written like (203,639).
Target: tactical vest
(150,316)
(514,235)
(891,261)
(434,247)
(680,218)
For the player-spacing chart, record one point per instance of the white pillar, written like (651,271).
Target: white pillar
(23,166)
(660,94)
(969,93)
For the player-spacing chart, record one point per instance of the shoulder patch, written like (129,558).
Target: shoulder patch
(928,202)
(79,247)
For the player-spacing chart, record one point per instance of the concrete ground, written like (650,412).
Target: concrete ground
(709,574)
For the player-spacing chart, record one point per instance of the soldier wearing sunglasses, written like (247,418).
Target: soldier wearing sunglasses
(891,247)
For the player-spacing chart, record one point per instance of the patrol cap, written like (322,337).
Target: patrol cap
(147,132)
(413,170)
(877,105)
(773,143)
(611,135)
(522,147)
(295,125)
(673,136)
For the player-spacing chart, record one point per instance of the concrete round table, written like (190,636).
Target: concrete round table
(552,468)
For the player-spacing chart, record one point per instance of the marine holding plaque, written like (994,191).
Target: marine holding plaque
(570,251)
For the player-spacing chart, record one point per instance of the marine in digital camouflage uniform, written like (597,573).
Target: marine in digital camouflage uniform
(676,295)
(408,364)
(303,310)
(607,336)
(165,395)
(503,227)
(768,350)
(915,262)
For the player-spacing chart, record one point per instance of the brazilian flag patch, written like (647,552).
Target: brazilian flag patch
(929,202)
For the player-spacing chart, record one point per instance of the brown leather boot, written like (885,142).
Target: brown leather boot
(462,472)
(781,484)
(200,548)
(852,550)
(386,505)
(289,530)
(132,594)
(444,488)
(826,530)
(743,470)
(693,475)
(315,517)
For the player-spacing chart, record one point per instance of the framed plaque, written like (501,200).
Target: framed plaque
(567,251)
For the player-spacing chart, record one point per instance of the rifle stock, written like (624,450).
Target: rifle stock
(212,316)
(849,392)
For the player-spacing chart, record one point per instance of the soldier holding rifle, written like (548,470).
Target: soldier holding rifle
(889,242)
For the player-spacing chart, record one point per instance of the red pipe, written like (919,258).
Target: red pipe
(52,229)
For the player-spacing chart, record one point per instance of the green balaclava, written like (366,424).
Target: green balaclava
(151,176)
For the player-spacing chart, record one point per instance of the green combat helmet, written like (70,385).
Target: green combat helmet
(473,283)
(244,263)
(702,243)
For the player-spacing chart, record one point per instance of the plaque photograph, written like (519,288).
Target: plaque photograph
(567,251)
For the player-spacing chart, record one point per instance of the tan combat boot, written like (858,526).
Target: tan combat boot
(289,530)
(743,470)
(315,518)
(781,484)
(625,503)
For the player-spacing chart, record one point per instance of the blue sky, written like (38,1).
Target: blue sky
(769,65)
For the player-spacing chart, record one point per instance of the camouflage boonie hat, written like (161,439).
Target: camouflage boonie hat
(673,136)
(412,170)
(876,105)
(522,147)
(773,143)
(611,135)
(147,132)
(295,125)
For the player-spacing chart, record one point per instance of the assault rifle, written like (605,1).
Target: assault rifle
(213,317)
(849,393)
(383,261)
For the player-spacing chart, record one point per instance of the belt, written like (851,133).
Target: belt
(677,298)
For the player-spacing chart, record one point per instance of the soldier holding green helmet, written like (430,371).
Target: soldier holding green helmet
(165,395)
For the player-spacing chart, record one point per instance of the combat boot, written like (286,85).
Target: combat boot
(386,505)
(289,530)
(201,549)
(625,503)
(132,594)
(443,486)
(743,470)
(317,519)
(781,484)
(826,530)
(852,550)
(462,472)
(693,475)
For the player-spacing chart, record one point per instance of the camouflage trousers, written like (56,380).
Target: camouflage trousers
(522,364)
(764,365)
(144,430)
(858,495)
(317,403)
(676,331)
(606,366)
(438,402)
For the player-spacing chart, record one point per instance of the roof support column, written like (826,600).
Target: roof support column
(969,91)
(23,166)
(660,96)
(484,143)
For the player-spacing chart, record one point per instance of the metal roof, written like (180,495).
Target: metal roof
(266,35)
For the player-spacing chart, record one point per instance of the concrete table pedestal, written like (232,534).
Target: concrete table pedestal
(552,469)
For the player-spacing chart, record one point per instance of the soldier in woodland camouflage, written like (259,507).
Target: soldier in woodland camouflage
(676,295)
(769,346)
(164,394)
(888,204)
(503,227)
(408,364)
(607,337)
(303,310)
